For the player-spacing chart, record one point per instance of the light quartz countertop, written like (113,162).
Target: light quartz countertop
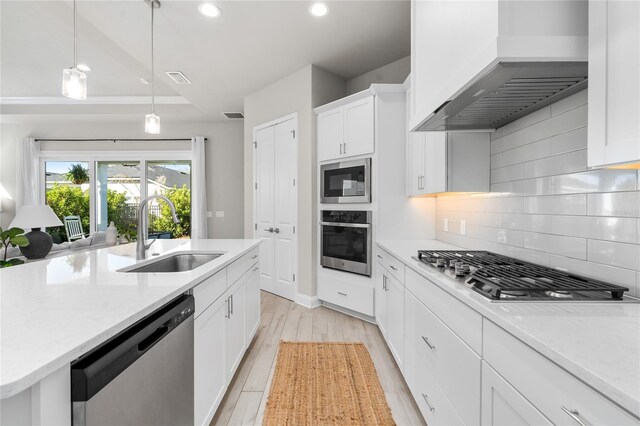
(54,310)
(598,342)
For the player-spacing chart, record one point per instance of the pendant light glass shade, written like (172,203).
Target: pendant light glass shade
(74,81)
(152,124)
(74,84)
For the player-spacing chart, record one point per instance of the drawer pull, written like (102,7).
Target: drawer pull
(342,294)
(393,267)
(255,269)
(574,414)
(426,399)
(428,343)
(254,256)
(379,257)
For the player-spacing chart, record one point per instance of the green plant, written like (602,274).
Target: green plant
(181,199)
(12,237)
(77,174)
(68,201)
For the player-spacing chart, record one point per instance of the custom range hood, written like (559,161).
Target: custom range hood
(508,91)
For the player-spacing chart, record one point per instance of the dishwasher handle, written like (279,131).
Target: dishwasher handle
(98,367)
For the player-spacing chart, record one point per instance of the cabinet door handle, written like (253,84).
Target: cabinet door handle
(428,343)
(345,147)
(379,257)
(384,282)
(393,267)
(254,256)
(255,269)
(228,309)
(574,414)
(418,183)
(231,311)
(426,399)
(342,294)
(340,149)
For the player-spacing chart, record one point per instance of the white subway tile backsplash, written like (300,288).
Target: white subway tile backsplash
(556,244)
(569,141)
(625,204)
(546,207)
(615,254)
(556,204)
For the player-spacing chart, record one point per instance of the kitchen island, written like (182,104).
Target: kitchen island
(54,310)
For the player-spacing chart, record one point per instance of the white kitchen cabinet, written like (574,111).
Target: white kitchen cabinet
(455,42)
(253,301)
(448,162)
(390,311)
(210,380)
(503,405)
(236,311)
(346,130)
(614,83)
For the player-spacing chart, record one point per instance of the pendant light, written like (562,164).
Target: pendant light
(74,81)
(152,121)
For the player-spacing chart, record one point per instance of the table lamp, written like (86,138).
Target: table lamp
(36,217)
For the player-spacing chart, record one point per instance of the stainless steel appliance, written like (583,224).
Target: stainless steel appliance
(346,240)
(346,182)
(142,376)
(503,278)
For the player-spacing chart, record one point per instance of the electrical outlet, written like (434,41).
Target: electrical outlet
(219,214)
(445,227)
(463,227)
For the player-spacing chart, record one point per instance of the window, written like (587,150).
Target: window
(107,191)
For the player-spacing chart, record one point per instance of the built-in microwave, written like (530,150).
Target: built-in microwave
(346,182)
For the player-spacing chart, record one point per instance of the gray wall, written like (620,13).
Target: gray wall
(395,72)
(293,94)
(223,158)
(546,207)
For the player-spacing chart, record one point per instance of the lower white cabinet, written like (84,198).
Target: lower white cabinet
(223,330)
(503,405)
(390,312)
(210,378)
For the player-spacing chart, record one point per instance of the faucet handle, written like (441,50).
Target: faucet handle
(146,246)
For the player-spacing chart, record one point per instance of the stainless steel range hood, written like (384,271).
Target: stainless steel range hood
(505,93)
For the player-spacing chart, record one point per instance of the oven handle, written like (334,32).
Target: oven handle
(347,225)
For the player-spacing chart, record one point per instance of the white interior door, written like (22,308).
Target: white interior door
(276,207)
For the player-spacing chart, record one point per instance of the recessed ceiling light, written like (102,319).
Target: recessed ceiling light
(144,81)
(318,9)
(209,10)
(84,67)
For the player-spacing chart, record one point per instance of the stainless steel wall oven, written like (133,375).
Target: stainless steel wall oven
(346,240)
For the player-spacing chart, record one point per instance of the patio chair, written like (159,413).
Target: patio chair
(73,228)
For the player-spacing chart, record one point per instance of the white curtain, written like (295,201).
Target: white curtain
(28,173)
(198,189)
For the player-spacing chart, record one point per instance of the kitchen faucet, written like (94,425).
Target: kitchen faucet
(141,246)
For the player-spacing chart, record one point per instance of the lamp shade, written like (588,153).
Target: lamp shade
(35,216)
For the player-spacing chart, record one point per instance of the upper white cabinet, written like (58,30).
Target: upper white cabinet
(448,162)
(346,130)
(454,43)
(614,83)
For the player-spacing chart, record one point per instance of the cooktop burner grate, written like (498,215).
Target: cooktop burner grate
(502,277)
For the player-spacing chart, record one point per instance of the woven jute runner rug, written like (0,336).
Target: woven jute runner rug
(325,384)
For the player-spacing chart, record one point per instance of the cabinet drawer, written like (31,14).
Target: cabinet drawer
(391,263)
(347,294)
(433,404)
(460,318)
(547,386)
(242,265)
(209,290)
(454,365)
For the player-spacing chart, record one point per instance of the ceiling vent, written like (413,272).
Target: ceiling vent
(178,77)
(233,115)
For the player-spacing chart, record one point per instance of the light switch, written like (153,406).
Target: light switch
(209,214)
(445,227)
(463,227)
(220,214)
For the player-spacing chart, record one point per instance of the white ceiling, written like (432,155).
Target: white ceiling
(251,45)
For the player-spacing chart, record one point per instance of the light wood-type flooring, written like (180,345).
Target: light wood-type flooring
(246,398)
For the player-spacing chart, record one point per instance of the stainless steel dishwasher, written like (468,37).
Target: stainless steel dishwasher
(142,376)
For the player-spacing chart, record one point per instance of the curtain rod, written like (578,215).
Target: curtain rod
(114,140)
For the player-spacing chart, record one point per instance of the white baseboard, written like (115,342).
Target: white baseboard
(307,301)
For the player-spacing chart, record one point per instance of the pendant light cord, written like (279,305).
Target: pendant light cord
(153,90)
(75,35)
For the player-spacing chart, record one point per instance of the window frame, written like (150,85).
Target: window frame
(93,157)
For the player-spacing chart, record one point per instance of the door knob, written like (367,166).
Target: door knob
(276,230)
(269,230)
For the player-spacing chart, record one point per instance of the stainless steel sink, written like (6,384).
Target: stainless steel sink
(178,262)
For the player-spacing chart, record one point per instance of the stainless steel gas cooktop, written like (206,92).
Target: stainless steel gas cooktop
(503,278)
